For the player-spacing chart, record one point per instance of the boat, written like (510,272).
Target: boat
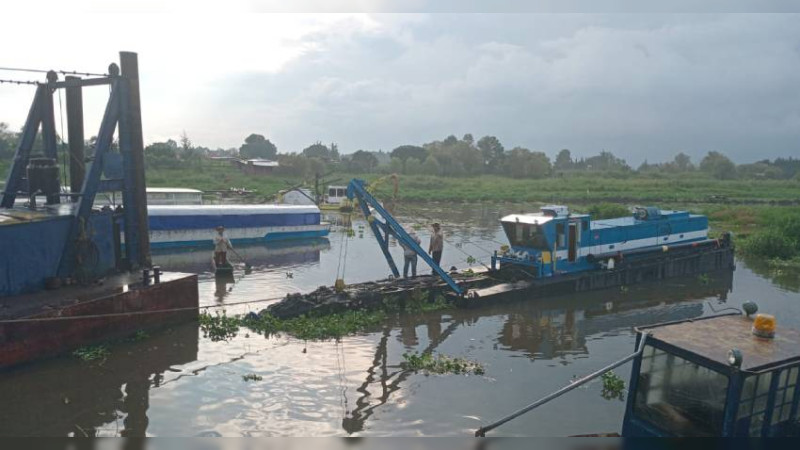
(553,241)
(193,225)
(336,199)
(729,375)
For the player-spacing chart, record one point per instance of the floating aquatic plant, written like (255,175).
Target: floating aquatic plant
(252,377)
(613,386)
(440,364)
(92,352)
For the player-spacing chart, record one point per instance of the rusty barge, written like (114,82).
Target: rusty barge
(70,269)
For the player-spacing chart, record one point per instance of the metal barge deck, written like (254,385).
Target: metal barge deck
(49,323)
(485,286)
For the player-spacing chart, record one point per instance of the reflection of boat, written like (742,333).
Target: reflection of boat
(278,254)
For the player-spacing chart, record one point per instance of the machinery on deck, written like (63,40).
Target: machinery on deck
(384,225)
(67,238)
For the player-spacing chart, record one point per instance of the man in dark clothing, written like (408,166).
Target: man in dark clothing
(437,244)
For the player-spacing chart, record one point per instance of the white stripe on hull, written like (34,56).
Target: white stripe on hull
(163,236)
(636,244)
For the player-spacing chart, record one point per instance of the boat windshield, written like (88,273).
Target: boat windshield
(525,235)
(680,396)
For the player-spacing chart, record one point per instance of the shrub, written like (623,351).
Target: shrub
(770,243)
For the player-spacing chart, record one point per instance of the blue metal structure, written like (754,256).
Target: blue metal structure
(556,242)
(69,238)
(383,225)
(714,377)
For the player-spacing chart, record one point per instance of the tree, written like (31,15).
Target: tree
(563,160)
(468,139)
(162,154)
(606,162)
(492,151)
(257,146)
(404,152)
(523,163)
(318,150)
(8,141)
(363,161)
(718,166)
(682,162)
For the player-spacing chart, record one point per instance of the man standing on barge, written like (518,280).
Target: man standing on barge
(221,246)
(437,244)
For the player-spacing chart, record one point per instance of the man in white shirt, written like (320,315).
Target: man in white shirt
(221,246)
(410,256)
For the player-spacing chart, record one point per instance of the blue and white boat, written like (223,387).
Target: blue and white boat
(193,225)
(553,241)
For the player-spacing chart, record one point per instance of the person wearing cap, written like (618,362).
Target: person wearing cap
(410,256)
(221,246)
(437,244)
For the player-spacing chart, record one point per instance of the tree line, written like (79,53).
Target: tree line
(449,157)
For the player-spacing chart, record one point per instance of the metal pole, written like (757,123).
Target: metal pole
(481,432)
(77,165)
(129,65)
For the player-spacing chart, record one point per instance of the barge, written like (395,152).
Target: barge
(193,225)
(66,278)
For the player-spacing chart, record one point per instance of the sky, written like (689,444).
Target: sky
(643,86)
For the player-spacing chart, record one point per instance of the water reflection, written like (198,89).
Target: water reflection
(539,329)
(66,396)
(278,254)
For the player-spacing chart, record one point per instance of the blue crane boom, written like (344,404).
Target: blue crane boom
(357,190)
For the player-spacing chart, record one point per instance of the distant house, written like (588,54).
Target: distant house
(256,166)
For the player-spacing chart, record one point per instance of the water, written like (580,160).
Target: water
(177,383)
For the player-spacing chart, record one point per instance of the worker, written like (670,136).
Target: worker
(437,244)
(221,246)
(410,256)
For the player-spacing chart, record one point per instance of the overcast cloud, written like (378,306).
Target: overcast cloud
(641,86)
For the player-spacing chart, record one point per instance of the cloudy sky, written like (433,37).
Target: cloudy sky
(643,86)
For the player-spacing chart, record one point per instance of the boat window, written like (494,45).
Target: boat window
(562,239)
(784,395)
(753,403)
(525,235)
(679,396)
(585,226)
(332,192)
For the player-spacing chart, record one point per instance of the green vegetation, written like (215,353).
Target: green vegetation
(606,210)
(775,235)
(92,353)
(221,327)
(252,377)
(441,364)
(613,386)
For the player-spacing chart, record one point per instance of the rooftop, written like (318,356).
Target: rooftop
(711,338)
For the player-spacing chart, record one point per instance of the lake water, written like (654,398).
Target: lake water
(178,383)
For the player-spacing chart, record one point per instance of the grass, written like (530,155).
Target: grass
(440,364)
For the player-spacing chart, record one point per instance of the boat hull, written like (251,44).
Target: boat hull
(174,227)
(204,238)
